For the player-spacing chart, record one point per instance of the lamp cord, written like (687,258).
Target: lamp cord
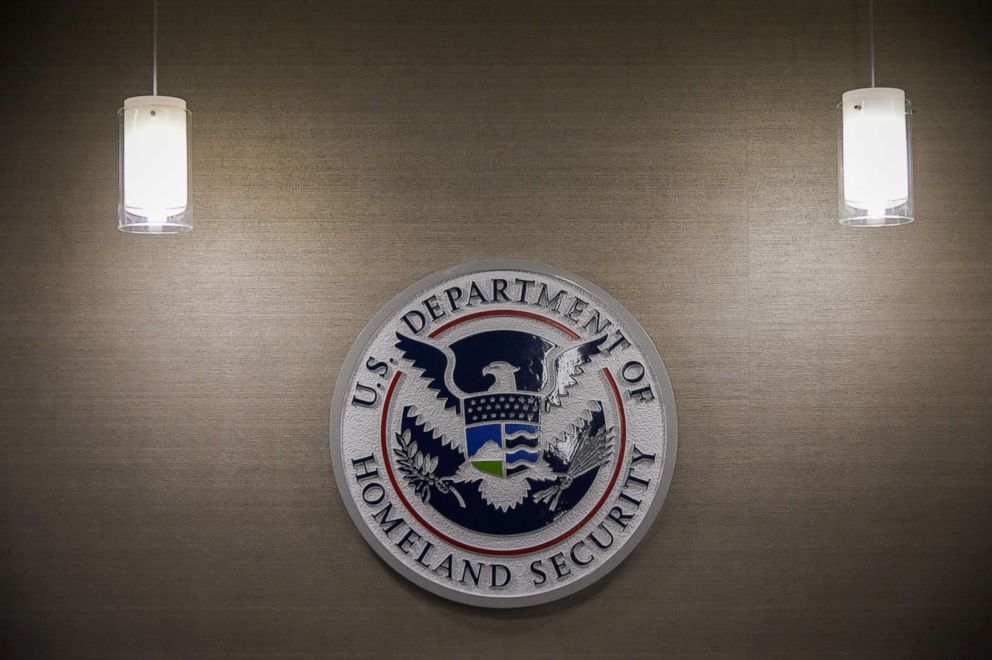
(155,48)
(871,38)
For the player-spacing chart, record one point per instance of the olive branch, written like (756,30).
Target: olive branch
(418,469)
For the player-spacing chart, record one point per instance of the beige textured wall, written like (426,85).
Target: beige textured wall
(165,487)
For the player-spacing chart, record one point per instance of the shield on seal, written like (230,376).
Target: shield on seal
(502,432)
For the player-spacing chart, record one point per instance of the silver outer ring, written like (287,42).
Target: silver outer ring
(641,339)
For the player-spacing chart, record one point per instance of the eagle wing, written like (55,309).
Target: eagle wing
(433,364)
(568,365)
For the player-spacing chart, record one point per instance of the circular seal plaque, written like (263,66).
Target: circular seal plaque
(503,433)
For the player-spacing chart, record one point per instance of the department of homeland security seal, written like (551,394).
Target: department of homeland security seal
(503,433)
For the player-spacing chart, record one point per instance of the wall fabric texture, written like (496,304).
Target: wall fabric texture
(165,483)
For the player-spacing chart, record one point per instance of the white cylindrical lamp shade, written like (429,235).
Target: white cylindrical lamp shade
(876,166)
(154,166)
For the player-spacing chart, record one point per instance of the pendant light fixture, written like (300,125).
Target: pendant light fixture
(154,159)
(876,166)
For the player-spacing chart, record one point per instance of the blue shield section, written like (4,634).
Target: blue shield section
(503,448)
(520,447)
(477,436)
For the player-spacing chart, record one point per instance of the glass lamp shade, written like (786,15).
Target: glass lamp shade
(876,167)
(154,165)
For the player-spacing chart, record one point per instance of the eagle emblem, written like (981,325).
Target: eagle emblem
(503,433)
(494,432)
